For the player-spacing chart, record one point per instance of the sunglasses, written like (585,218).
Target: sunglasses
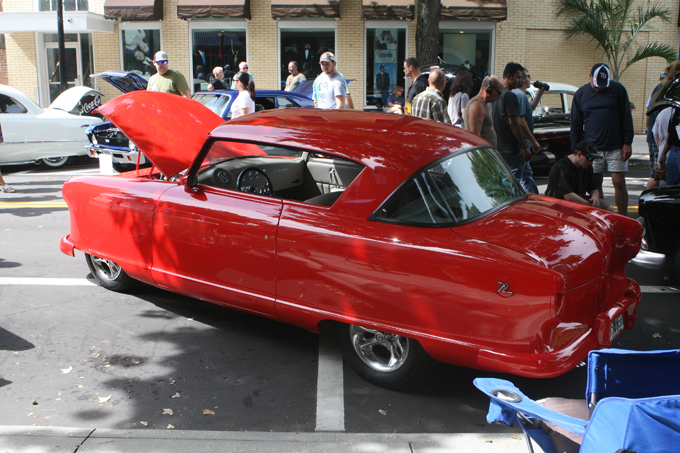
(162,62)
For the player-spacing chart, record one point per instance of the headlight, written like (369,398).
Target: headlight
(133,147)
(94,140)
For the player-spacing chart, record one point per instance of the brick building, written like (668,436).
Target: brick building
(106,35)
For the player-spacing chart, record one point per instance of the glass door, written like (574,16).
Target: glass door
(72,67)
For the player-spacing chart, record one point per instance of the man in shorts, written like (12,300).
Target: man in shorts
(600,114)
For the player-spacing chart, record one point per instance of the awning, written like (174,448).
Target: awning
(133,9)
(219,9)
(474,9)
(388,9)
(308,8)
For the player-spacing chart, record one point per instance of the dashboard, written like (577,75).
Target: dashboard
(258,175)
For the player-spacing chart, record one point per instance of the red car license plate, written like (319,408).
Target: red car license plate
(616,326)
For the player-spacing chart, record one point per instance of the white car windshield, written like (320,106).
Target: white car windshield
(215,102)
(458,189)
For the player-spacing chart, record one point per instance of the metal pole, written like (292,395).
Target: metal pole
(63,85)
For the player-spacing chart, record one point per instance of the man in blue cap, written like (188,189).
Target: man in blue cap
(600,114)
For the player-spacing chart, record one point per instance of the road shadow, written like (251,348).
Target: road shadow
(4,264)
(12,342)
(214,368)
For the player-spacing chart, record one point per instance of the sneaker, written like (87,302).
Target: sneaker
(8,189)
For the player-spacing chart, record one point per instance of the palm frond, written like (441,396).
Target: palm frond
(613,25)
(654,50)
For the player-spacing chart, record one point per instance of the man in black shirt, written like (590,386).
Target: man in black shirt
(420,82)
(600,113)
(511,128)
(571,178)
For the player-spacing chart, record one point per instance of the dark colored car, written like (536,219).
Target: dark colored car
(105,138)
(659,208)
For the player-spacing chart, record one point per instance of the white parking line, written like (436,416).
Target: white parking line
(46,281)
(330,397)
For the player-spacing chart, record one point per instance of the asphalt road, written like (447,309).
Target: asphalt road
(74,354)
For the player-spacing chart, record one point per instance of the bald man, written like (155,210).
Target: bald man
(430,104)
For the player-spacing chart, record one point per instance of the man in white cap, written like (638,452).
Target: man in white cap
(600,114)
(167,80)
(331,87)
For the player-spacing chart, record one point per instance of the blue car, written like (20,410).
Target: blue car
(105,138)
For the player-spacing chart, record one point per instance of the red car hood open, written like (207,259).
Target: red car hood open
(561,239)
(168,129)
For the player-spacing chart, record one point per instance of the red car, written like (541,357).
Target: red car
(411,237)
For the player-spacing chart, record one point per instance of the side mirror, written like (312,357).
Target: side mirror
(190,180)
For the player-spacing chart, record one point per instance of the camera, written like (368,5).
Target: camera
(540,85)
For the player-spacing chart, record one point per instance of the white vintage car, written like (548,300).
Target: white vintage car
(49,136)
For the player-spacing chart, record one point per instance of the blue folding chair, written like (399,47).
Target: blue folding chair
(632,405)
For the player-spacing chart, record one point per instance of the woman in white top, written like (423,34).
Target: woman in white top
(245,101)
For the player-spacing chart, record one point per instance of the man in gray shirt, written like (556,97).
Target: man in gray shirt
(330,89)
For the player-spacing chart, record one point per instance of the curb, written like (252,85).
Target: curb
(92,440)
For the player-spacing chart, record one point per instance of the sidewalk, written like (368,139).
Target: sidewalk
(25,439)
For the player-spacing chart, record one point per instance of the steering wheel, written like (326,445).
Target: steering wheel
(253,180)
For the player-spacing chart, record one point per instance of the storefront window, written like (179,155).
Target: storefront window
(139,47)
(69,5)
(385,53)
(305,46)
(465,48)
(68,37)
(78,61)
(215,47)
(87,59)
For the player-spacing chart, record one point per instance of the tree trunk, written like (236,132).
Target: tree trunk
(427,31)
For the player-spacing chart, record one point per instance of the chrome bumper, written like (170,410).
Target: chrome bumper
(649,260)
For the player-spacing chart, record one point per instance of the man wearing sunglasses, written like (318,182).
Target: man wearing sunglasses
(242,67)
(571,178)
(167,80)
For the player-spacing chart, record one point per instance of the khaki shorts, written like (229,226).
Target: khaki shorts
(612,162)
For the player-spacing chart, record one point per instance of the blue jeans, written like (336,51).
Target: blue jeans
(522,171)
(673,166)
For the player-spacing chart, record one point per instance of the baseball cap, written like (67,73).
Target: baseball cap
(588,149)
(327,56)
(160,56)
(600,73)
